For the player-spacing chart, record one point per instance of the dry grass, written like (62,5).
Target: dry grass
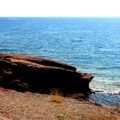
(56,96)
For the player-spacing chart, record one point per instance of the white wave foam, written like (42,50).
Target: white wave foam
(106,86)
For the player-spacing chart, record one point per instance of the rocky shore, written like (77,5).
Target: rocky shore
(25,79)
(27,73)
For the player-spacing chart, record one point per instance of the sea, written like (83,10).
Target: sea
(92,45)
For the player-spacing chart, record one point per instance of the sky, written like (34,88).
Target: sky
(60,8)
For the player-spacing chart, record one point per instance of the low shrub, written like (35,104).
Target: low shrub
(56,96)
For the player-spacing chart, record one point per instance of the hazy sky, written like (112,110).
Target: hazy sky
(66,8)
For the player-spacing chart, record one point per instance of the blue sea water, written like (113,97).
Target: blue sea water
(90,44)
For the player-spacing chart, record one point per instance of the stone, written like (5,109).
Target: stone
(27,73)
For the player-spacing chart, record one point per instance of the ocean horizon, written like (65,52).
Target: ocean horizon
(92,45)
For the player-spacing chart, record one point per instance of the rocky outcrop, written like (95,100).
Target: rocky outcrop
(23,73)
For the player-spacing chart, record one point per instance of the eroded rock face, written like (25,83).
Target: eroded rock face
(24,73)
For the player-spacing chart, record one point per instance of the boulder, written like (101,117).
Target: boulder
(23,73)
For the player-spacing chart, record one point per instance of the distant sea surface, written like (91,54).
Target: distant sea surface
(90,44)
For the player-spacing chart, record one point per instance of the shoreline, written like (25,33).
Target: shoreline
(29,106)
(106,99)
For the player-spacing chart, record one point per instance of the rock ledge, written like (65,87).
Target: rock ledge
(27,73)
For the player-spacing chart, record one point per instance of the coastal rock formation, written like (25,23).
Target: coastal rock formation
(22,73)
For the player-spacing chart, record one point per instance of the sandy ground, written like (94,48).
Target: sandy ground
(34,106)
